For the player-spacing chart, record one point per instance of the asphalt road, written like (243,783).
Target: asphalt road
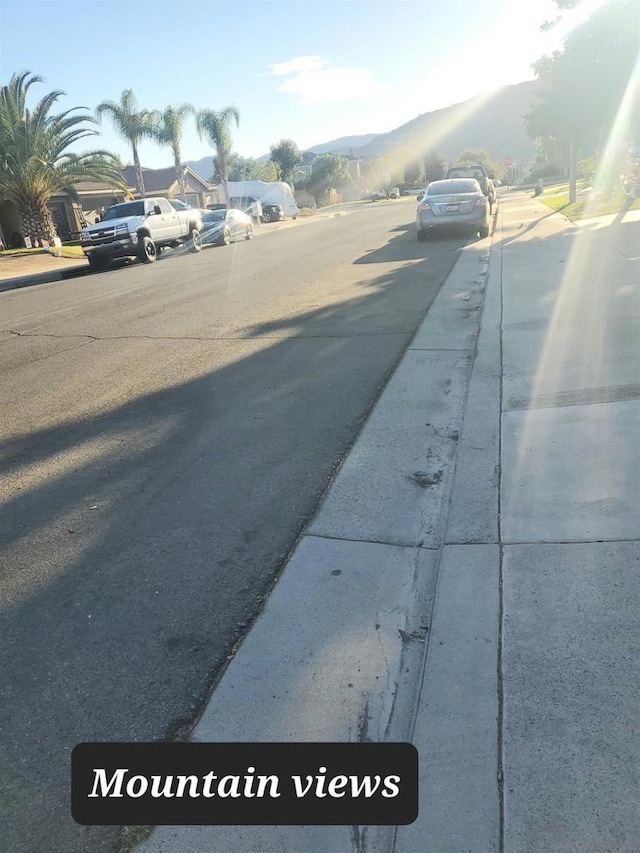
(166,433)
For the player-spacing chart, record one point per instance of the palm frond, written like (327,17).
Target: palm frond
(35,161)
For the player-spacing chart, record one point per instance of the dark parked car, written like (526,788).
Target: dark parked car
(272,213)
(223,226)
(457,203)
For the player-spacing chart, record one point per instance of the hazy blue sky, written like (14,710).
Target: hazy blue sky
(309,70)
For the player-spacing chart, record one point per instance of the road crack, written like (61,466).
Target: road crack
(197,338)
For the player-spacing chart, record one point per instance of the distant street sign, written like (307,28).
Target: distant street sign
(507,162)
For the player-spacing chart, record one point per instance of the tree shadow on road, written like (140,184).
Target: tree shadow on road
(141,558)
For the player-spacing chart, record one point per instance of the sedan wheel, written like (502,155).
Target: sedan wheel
(249,233)
(226,237)
(422,236)
(195,241)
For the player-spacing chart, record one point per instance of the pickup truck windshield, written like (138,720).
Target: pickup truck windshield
(129,208)
(465,173)
(451,187)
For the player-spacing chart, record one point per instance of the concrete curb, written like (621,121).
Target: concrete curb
(365,576)
(39,278)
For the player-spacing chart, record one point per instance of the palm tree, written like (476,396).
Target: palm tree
(215,126)
(34,160)
(131,124)
(167,130)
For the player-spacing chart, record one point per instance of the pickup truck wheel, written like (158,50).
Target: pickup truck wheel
(147,250)
(195,240)
(249,234)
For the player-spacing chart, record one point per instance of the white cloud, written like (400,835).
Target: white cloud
(301,64)
(312,80)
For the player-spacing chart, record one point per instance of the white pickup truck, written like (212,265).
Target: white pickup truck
(140,229)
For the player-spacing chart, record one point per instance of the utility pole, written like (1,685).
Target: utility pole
(572,169)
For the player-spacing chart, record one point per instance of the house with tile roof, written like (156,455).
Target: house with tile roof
(70,214)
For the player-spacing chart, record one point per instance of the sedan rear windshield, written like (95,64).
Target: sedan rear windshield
(129,208)
(214,216)
(452,187)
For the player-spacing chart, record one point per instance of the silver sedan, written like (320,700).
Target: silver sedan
(221,227)
(454,203)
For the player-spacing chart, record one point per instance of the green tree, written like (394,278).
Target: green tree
(131,124)
(413,172)
(562,6)
(248,169)
(215,127)
(385,172)
(479,155)
(589,84)
(435,166)
(34,159)
(286,157)
(167,130)
(327,171)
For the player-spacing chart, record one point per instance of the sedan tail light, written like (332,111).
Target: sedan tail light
(424,205)
(481,202)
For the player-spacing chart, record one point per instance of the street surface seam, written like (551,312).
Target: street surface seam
(216,338)
(565,541)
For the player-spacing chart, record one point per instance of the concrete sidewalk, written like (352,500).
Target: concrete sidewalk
(22,270)
(470,582)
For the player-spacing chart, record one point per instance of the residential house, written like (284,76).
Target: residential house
(164,183)
(70,215)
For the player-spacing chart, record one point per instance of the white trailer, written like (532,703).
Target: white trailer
(267,192)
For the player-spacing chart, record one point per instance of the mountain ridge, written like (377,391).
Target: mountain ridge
(493,121)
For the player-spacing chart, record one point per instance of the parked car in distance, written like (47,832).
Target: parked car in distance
(414,191)
(395,192)
(222,227)
(272,213)
(457,203)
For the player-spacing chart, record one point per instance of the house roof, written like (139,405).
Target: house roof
(159,180)
(155,180)
(94,186)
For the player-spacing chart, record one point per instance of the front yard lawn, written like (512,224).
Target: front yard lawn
(66,252)
(588,204)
